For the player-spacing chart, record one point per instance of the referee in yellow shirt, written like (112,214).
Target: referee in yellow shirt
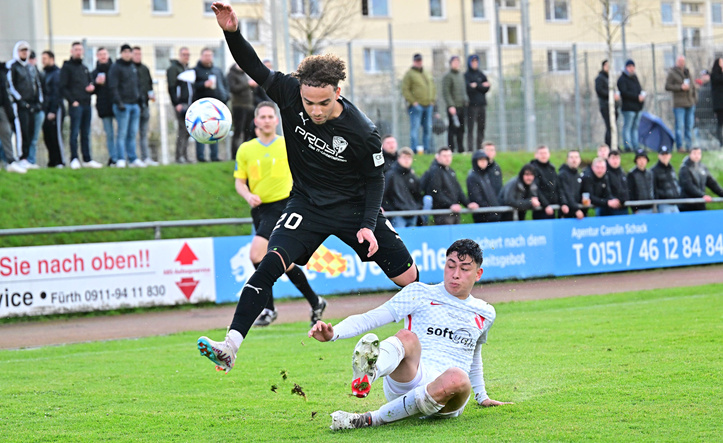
(263,178)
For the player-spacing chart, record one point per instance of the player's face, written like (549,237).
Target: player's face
(319,102)
(460,275)
(266,121)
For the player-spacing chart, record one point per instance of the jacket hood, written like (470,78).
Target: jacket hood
(469,62)
(478,154)
(16,53)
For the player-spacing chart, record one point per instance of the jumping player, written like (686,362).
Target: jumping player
(430,366)
(336,161)
(263,179)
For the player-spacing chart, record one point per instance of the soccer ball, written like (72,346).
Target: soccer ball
(208,120)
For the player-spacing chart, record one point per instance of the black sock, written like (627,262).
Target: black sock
(299,280)
(256,292)
(270,303)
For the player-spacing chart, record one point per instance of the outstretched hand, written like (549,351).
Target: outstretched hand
(488,403)
(368,235)
(225,16)
(322,331)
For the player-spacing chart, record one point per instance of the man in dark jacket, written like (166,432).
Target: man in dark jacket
(694,178)
(26,91)
(210,82)
(601,89)
(494,172)
(389,150)
(477,87)
(77,86)
(640,183)
(181,93)
(104,101)
(665,183)
(618,183)
(54,111)
(125,91)
(521,193)
(440,182)
(402,190)
(479,188)
(569,187)
(546,181)
(7,117)
(597,186)
(633,96)
(145,84)
(242,109)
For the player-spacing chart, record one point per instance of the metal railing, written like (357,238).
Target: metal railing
(158,225)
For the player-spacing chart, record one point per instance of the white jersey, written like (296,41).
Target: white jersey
(450,330)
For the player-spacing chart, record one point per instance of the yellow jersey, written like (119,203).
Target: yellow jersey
(265,169)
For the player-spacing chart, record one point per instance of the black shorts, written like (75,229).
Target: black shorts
(303,227)
(266,215)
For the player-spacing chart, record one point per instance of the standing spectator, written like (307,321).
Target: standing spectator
(546,180)
(104,102)
(569,187)
(210,82)
(76,86)
(618,182)
(402,190)
(181,93)
(633,97)
(145,84)
(665,183)
(640,183)
(242,105)
(389,150)
(597,186)
(420,92)
(704,118)
(479,188)
(685,95)
(39,115)
(494,172)
(125,90)
(54,111)
(7,115)
(694,178)
(440,181)
(601,89)
(27,93)
(521,193)
(477,87)
(454,92)
(716,86)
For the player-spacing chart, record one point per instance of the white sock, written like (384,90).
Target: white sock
(391,353)
(412,403)
(235,337)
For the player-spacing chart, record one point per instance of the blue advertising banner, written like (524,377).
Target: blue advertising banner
(511,250)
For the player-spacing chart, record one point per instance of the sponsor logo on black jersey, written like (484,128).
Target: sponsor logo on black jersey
(461,337)
(317,144)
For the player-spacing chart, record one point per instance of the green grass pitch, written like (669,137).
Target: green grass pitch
(642,366)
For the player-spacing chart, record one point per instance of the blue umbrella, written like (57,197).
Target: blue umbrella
(653,133)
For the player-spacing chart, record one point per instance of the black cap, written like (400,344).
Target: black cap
(126,46)
(641,153)
(629,62)
(664,150)
(416,57)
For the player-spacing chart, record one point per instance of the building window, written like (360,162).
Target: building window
(161,6)
(207,8)
(311,8)
(617,11)
(508,34)
(375,8)
(250,30)
(558,61)
(100,6)
(161,58)
(377,60)
(436,9)
(478,8)
(666,12)
(691,8)
(716,13)
(508,4)
(691,37)
(557,10)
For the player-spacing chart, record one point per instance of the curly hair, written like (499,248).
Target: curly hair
(466,248)
(319,71)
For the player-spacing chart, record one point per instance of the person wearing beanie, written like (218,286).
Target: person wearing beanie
(640,183)
(521,193)
(477,87)
(455,97)
(479,188)
(633,98)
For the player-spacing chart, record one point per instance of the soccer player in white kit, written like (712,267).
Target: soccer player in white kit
(431,366)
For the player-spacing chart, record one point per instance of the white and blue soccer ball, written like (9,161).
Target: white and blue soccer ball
(208,120)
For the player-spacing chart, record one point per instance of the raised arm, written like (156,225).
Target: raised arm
(352,326)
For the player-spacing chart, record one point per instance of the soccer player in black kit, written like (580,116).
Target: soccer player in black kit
(336,160)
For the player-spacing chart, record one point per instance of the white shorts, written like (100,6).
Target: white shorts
(394,389)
